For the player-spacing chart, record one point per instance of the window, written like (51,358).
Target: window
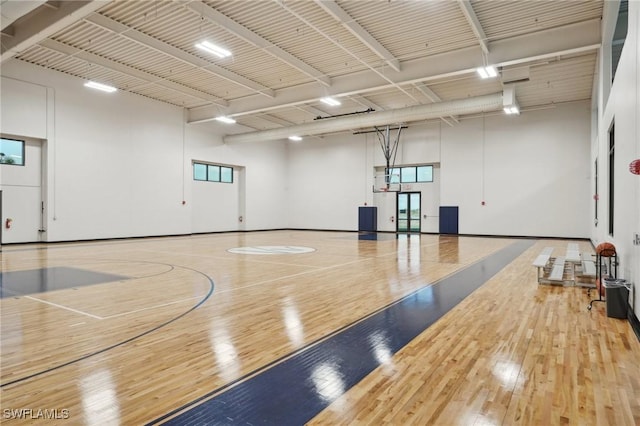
(199,171)
(619,36)
(425,174)
(411,174)
(226,174)
(212,173)
(407,174)
(12,152)
(612,146)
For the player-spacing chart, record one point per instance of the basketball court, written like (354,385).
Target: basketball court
(163,329)
(320,212)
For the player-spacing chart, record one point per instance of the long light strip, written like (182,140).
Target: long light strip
(212,48)
(487,72)
(330,101)
(100,86)
(295,138)
(227,120)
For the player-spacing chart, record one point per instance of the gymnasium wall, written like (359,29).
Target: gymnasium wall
(260,174)
(330,177)
(119,165)
(620,103)
(531,170)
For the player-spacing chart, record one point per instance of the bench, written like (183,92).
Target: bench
(588,265)
(542,260)
(586,277)
(558,270)
(573,253)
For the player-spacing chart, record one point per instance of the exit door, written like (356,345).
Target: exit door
(408,214)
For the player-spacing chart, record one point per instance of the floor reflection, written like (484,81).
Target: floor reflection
(295,390)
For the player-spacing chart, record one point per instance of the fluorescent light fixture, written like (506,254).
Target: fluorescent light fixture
(227,120)
(487,72)
(295,138)
(213,49)
(512,110)
(100,86)
(330,101)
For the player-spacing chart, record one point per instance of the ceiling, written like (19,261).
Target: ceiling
(287,55)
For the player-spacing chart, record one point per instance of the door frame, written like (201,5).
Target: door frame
(408,193)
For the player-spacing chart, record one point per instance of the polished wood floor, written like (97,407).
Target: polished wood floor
(193,317)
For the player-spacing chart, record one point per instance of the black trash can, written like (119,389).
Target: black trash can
(617,297)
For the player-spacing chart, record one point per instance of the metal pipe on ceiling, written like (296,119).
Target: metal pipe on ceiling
(402,115)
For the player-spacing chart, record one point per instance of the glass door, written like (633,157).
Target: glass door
(408,214)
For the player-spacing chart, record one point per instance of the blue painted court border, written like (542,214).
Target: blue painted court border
(285,393)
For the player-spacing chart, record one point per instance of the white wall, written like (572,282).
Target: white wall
(620,102)
(532,171)
(327,182)
(330,177)
(27,115)
(119,165)
(257,194)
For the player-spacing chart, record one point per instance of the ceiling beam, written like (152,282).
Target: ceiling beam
(254,39)
(356,29)
(275,120)
(315,112)
(478,104)
(14,10)
(53,4)
(176,53)
(279,121)
(42,22)
(433,97)
(9,31)
(579,38)
(366,102)
(127,70)
(372,68)
(476,27)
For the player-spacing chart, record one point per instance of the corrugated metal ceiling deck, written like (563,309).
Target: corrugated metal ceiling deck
(287,55)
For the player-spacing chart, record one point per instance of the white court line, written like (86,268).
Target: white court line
(257,258)
(313,271)
(292,275)
(315,268)
(260,259)
(63,307)
(151,307)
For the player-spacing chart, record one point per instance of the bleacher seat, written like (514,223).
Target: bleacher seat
(543,258)
(557,272)
(573,253)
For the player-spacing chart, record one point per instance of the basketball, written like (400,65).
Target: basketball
(606,250)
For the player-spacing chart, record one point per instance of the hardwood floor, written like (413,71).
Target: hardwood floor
(193,317)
